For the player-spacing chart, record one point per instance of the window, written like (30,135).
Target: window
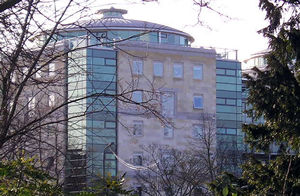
(51,69)
(137,96)
(163,38)
(220,71)
(31,103)
(138,128)
(51,100)
(197,131)
(178,70)
(163,35)
(137,67)
(231,131)
(198,102)
(198,72)
(168,132)
(230,72)
(158,68)
(138,159)
(168,104)
(182,40)
(230,102)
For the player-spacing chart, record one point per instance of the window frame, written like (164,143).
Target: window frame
(202,99)
(195,76)
(139,70)
(162,68)
(178,65)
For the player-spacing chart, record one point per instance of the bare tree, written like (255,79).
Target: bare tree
(40,76)
(172,172)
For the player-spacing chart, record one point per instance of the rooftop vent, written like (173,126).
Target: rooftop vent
(112,13)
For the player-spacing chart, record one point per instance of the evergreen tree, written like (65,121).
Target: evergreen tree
(274,94)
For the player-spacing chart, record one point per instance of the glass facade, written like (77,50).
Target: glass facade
(229,111)
(91,74)
(107,37)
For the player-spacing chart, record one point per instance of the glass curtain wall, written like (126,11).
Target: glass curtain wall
(229,113)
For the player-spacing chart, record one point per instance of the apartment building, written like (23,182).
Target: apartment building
(122,85)
(153,88)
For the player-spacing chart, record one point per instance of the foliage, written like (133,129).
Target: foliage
(227,185)
(20,177)
(108,186)
(274,93)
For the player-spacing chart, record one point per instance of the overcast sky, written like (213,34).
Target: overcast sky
(239,33)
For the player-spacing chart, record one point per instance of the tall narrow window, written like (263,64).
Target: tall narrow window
(137,67)
(51,69)
(137,96)
(198,72)
(182,40)
(198,102)
(168,104)
(178,70)
(51,100)
(158,68)
(138,128)
(197,131)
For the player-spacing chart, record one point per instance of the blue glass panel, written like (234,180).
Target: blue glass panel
(226,79)
(231,131)
(110,124)
(104,69)
(224,108)
(98,61)
(220,71)
(228,87)
(221,130)
(104,77)
(110,62)
(230,72)
(171,39)
(220,101)
(102,53)
(230,101)
(227,94)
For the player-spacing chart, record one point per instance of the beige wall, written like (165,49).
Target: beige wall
(185,88)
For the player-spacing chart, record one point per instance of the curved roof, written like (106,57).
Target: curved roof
(120,23)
